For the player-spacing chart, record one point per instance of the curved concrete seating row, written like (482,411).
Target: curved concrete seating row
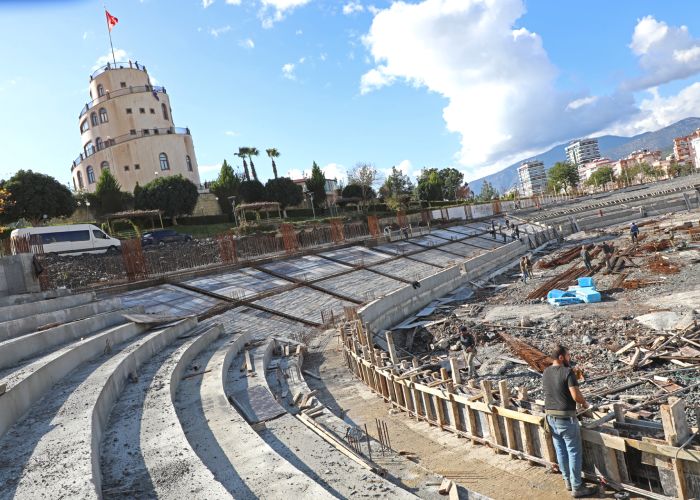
(163,443)
(18,349)
(266,473)
(30,381)
(25,298)
(16,327)
(17,311)
(64,461)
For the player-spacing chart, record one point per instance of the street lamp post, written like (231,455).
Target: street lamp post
(232,200)
(313,208)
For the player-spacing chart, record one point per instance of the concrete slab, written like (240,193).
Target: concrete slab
(462,249)
(447,235)
(244,283)
(169,299)
(398,247)
(307,268)
(256,324)
(436,257)
(407,269)
(360,285)
(304,303)
(428,240)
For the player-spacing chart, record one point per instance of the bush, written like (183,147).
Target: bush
(200,220)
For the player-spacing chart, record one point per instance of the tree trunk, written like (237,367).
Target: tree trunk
(174,219)
(245,170)
(252,169)
(274,170)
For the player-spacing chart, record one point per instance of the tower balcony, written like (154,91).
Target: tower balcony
(134,134)
(119,65)
(120,92)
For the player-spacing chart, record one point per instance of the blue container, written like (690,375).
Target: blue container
(586,282)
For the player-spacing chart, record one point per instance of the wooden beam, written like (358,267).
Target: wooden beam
(392,349)
(494,427)
(504,393)
(676,432)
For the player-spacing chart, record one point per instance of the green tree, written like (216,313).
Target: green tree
(108,197)
(252,191)
(243,154)
(272,153)
(488,192)
(430,186)
(284,191)
(563,176)
(35,195)
(365,175)
(601,177)
(226,184)
(252,152)
(396,184)
(173,195)
(316,184)
(452,180)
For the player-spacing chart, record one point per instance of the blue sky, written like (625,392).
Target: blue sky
(473,84)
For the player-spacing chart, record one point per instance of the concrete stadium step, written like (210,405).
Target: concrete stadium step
(18,349)
(27,382)
(17,327)
(234,452)
(18,311)
(306,450)
(55,447)
(26,298)
(144,450)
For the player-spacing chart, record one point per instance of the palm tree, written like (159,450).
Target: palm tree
(273,153)
(243,153)
(252,152)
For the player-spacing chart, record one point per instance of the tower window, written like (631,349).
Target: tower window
(104,165)
(100,90)
(90,175)
(103,115)
(142,110)
(126,168)
(137,166)
(165,111)
(188,161)
(122,84)
(89,149)
(132,131)
(153,111)
(80,180)
(99,144)
(93,119)
(85,125)
(128,111)
(164,163)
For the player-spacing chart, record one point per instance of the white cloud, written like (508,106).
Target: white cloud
(274,11)
(323,56)
(233,2)
(352,8)
(207,3)
(232,133)
(119,54)
(498,80)
(373,10)
(215,32)
(584,101)
(248,43)
(214,168)
(666,53)
(335,171)
(295,173)
(299,32)
(85,35)
(288,71)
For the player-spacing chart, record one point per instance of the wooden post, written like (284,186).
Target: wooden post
(456,376)
(676,432)
(525,433)
(494,428)
(504,393)
(417,401)
(392,350)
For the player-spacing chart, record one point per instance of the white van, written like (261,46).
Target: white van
(69,240)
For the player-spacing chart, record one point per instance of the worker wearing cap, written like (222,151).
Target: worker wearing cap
(561,393)
(468,344)
(634,232)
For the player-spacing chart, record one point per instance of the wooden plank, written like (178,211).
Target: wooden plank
(504,393)
(605,440)
(456,376)
(525,434)
(392,349)
(676,432)
(492,419)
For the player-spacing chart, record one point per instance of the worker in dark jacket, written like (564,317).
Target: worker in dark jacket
(586,257)
(634,232)
(561,393)
(468,344)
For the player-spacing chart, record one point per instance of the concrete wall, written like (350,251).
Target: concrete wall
(17,275)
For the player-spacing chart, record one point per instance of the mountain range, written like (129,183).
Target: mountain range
(611,146)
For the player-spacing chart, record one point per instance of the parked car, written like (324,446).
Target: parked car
(74,239)
(163,236)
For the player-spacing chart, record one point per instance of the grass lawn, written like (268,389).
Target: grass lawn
(204,231)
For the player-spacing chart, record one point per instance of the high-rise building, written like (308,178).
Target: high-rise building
(533,179)
(127,127)
(582,151)
(683,148)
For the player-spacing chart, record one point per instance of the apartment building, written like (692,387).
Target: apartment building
(582,151)
(532,177)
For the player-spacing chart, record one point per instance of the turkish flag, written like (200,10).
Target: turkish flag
(111,20)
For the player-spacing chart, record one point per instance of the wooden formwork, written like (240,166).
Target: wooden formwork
(658,462)
(337,233)
(373,224)
(134,261)
(289,237)
(227,248)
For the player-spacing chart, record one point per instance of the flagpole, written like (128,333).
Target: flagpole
(109,32)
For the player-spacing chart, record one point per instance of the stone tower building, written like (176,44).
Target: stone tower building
(127,127)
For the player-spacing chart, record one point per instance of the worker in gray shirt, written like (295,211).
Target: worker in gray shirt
(561,393)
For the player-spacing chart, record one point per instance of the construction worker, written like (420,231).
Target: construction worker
(517,231)
(468,344)
(523,269)
(607,254)
(528,263)
(586,257)
(561,393)
(493,231)
(634,232)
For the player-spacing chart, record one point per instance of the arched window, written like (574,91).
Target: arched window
(164,164)
(84,126)
(80,180)
(165,111)
(188,160)
(100,90)
(104,165)
(99,144)
(90,174)
(103,115)
(93,119)
(89,149)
